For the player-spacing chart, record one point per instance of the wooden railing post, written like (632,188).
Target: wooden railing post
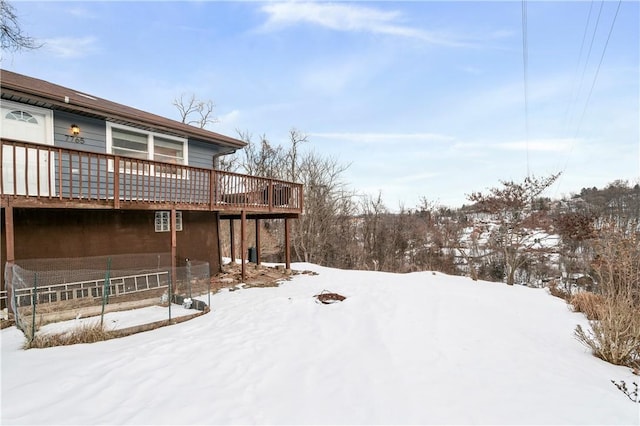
(212,189)
(60,173)
(116,182)
(15,172)
(300,197)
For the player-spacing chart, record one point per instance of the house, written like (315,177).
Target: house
(82,176)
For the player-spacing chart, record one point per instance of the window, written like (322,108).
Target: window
(129,144)
(143,145)
(163,221)
(26,123)
(168,151)
(21,116)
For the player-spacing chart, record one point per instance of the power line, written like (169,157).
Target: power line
(586,62)
(525,60)
(573,99)
(595,77)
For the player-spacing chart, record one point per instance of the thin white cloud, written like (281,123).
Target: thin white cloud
(384,137)
(230,117)
(70,47)
(350,18)
(81,12)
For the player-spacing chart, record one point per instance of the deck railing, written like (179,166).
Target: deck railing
(49,173)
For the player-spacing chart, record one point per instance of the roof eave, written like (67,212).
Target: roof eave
(137,118)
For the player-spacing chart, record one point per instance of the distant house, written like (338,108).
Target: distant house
(83,176)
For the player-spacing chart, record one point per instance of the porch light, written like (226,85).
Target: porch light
(75,129)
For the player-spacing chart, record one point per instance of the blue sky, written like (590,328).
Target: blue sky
(421,99)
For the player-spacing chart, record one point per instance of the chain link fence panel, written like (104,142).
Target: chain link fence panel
(52,290)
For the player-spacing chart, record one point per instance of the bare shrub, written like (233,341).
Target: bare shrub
(615,337)
(632,393)
(556,291)
(616,264)
(86,333)
(588,303)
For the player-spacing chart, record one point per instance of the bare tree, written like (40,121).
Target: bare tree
(511,208)
(325,198)
(263,159)
(195,112)
(11,36)
(296,137)
(325,233)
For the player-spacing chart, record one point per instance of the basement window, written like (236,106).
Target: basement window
(163,221)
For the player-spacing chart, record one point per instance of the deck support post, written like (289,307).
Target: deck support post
(174,275)
(232,241)
(11,255)
(243,243)
(287,246)
(257,241)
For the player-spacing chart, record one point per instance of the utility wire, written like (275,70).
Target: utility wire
(593,83)
(595,77)
(525,60)
(577,94)
(572,100)
(586,62)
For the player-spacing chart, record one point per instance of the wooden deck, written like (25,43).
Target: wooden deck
(36,175)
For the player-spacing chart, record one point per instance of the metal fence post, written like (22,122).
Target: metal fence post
(34,302)
(188,278)
(170,296)
(105,290)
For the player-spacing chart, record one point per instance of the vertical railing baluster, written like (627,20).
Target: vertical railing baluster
(38,172)
(26,171)
(70,175)
(49,166)
(116,182)
(89,195)
(59,173)
(15,174)
(1,172)
(80,175)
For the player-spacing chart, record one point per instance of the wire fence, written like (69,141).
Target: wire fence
(43,291)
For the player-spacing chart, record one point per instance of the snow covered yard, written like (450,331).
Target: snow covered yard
(419,348)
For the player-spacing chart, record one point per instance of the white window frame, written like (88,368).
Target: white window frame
(163,221)
(150,150)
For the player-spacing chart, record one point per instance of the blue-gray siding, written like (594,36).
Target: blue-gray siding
(93,134)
